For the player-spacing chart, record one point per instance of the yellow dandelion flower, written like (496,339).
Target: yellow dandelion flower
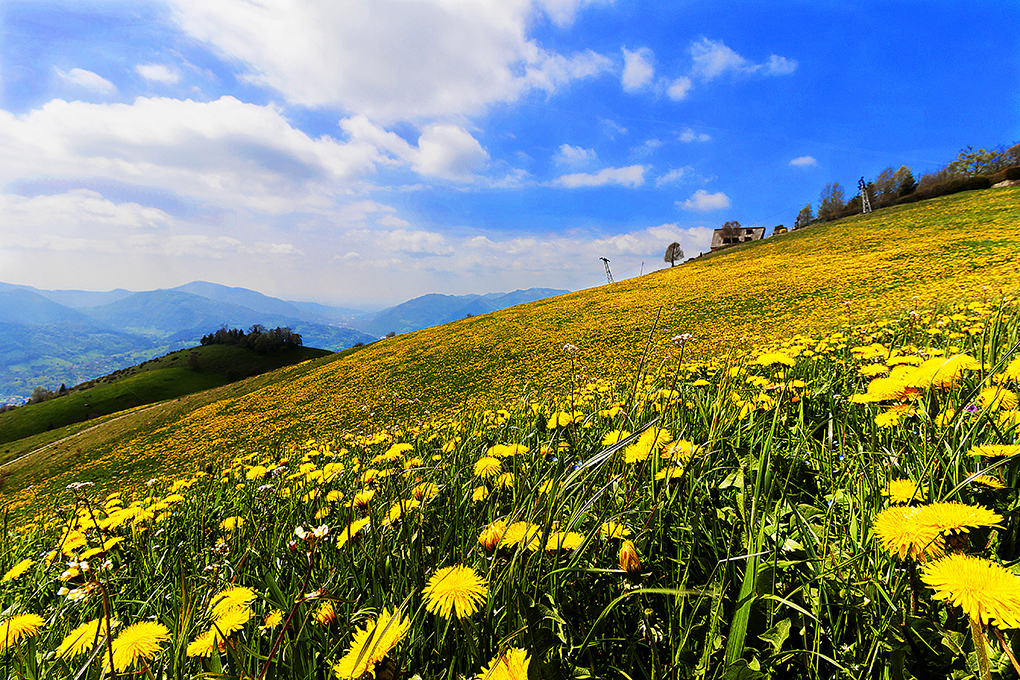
(17,628)
(272,620)
(371,644)
(505,480)
(871,370)
(563,540)
(325,614)
(205,644)
(458,589)
(942,372)
(18,569)
(352,530)
(671,472)
(229,599)
(492,535)
(231,523)
(488,467)
(904,491)
(614,437)
(987,592)
(232,620)
(479,494)
(521,532)
(425,491)
(363,498)
(917,531)
(995,450)
(510,665)
(610,530)
(990,482)
(894,414)
(398,509)
(139,642)
(997,398)
(83,638)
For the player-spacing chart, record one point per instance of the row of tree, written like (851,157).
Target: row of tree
(257,338)
(894,186)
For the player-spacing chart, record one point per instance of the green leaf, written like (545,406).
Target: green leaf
(777,635)
(741,670)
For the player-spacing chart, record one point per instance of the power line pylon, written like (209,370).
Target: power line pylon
(609,274)
(865,201)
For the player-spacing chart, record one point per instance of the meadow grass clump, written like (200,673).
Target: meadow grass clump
(778,512)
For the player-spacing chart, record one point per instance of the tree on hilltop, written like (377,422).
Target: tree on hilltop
(831,202)
(804,217)
(673,253)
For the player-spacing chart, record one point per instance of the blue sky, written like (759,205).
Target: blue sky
(364,153)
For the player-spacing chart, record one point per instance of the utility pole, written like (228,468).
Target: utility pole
(609,274)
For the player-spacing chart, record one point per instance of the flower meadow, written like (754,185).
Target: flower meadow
(840,504)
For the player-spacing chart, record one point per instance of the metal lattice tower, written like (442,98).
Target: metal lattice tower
(609,274)
(865,201)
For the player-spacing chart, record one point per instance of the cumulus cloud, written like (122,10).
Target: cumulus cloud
(678,89)
(646,148)
(702,201)
(388,59)
(638,68)
(160,73)
(574,156)
(803,161)
(689,135)
(88,80)
(673,176)
(712,59)
(631,176)
(449,152)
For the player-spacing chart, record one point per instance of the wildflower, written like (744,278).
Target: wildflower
(479,494)
(231,523)
(773,358)
(17,628)
(362,498)
(629,560)
(917,532)
(458,589)
(564,540)
(670,473)
(139,642)
(942,373)
(272,620)
(352,529)
(521,532)
(83,638)
(987,592)
(371,644)
(998,398)
(904,491)
(312,534)
(492,535)
(488,467)
(990,482)
(325,614)
(505,480)
(231,598)
(205,644)
(510,665)
(17,570)
(996,450)
(614,437)
(425,491)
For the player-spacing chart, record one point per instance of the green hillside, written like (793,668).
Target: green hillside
(168,377)
(960,246)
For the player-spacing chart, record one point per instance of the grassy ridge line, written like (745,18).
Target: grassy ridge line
(957,246)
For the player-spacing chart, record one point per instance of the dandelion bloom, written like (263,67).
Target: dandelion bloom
(614,437)
(458,589)
(479,494)
(83,638)
(371,644)
(137,643)
(995,450)
(272,620)
(505,480)
(904,491)
(941,372)
(990,482)
(231,598)
(488,467)
(510,665)
(773,358)
(325,614)
(17,628)
(629,560)
(205,644)
(17,570)
(492,535)
(521,532)
(564,540)
(917,531)
(352,530)
(987,592)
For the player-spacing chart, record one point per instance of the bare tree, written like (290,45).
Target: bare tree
(831,202)
(673,253)
(804,217)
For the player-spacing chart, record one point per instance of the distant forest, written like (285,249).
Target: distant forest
(258,338)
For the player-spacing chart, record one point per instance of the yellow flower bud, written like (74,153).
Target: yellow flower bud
(629,560)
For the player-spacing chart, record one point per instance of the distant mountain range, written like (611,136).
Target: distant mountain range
(49,338)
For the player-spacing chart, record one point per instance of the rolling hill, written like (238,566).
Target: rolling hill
(826,276)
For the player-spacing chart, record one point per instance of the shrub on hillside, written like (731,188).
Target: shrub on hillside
(258,338)
(947,187)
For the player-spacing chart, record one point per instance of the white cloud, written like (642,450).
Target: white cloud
(630,176)
(702,201)
(159,73)
(803,161)
(449,152)
(679,88)
(647,148)
(638,68)
(388,59)
(88,80)
(713,58)
(674,175)
(689,135)
(574,156)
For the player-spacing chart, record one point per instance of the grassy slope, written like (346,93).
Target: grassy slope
(959,246)
(167,377)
